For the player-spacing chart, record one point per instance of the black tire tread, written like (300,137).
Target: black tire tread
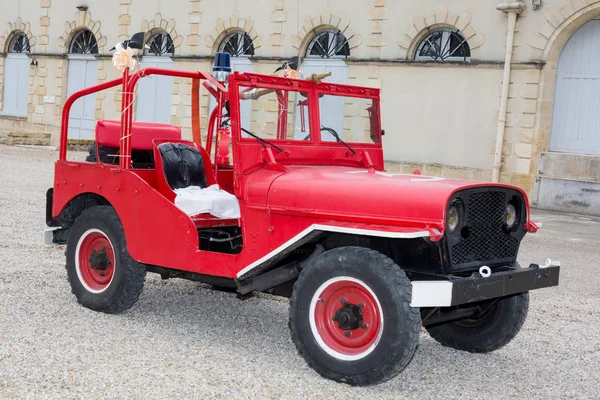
(411,329)
(507,326)
(134,273)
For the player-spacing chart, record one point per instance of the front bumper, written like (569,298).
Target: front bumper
(458,291)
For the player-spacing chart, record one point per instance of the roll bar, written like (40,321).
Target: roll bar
(128,83)
(64,129)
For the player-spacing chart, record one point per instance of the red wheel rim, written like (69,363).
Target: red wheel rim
(95,260)
(347,318)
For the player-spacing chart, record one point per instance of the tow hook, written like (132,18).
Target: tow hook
(485,271)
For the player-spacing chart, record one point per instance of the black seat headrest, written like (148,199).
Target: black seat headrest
(183,165)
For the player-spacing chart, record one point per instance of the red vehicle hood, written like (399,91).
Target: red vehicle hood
(359,195)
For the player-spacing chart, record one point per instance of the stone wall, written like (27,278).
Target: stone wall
(440,118)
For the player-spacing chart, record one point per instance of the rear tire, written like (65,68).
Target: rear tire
(102,275)
(350,316)
(491,331)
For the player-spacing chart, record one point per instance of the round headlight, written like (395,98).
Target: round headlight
(511,215)
(453,218)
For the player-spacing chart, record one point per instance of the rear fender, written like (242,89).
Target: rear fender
(58,228)
(156,231)
(73,208)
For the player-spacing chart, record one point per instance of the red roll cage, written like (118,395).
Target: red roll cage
(268,84)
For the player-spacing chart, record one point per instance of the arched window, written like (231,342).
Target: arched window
(84,42)
(16,75)
(19,43)
(328,44)
(443,45)
(160,44)
(238,44)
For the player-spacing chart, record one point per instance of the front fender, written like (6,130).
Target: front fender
(318,227)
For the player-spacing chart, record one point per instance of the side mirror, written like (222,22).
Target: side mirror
(137,41)
(383,132)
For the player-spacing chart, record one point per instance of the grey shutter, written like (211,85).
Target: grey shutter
(16,84)
(154,93)
(83,73)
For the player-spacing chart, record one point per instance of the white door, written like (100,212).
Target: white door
(16,84)
(154,93)
(240,64)
(576,118)
(331,107)
(83,73)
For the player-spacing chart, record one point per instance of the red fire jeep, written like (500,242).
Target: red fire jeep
(300,207)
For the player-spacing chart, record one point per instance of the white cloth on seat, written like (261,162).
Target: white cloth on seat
(194,200)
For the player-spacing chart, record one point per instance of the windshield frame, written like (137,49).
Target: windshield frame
(310,117)
(313,90)
(353,92)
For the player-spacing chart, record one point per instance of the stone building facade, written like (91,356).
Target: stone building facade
(440,64)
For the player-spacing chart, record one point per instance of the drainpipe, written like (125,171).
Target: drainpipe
(512,9)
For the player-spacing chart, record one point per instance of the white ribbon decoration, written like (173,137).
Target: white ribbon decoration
(123,58)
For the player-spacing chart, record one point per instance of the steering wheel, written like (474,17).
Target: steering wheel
(330,130)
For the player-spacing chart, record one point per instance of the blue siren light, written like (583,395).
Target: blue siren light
(222,67)
(222,62)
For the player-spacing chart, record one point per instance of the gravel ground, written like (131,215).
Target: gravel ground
(183,339)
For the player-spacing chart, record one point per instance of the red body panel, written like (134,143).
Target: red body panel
(158,233)
(108,133)
(368,196)
(283,196)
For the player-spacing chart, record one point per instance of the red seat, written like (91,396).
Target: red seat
(108,133)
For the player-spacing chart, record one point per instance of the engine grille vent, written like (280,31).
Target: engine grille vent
(485,239)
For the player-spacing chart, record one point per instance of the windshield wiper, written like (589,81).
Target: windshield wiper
(337,137)
(262,141)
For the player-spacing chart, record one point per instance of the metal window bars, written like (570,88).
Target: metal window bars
(329,44)
(444,45)
(84,42)
(238,44)
(19,44)
(161,44)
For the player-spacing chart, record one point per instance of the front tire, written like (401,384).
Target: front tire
(102,275)
(488,332)
(350,316)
